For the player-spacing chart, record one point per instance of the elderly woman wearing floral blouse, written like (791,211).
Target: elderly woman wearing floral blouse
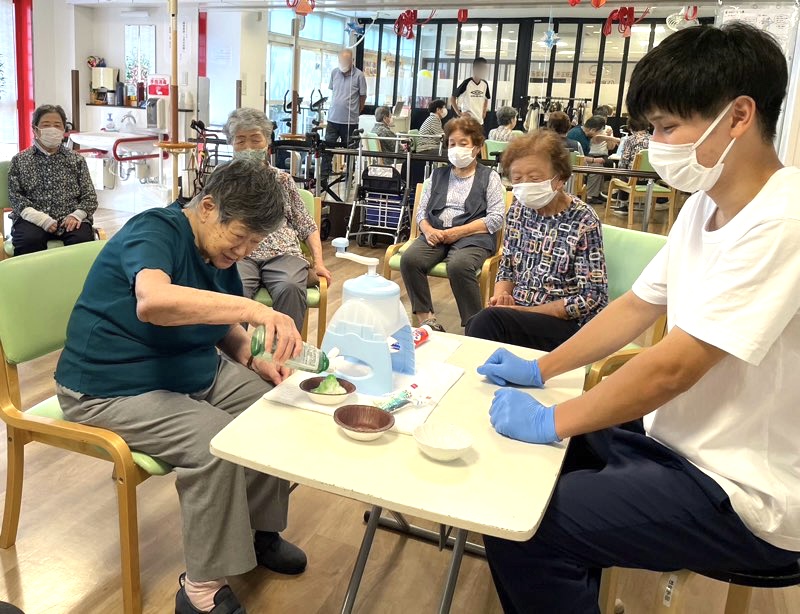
(49,187)
(552,276)
(277,263)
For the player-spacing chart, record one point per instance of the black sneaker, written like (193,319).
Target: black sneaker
(225,602)
(433,324)
(278,555)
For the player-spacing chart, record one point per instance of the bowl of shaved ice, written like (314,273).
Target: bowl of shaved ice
(328,390)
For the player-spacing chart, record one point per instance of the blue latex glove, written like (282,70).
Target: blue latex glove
(503,368)
(519,416)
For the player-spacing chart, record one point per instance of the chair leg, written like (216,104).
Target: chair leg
(322,322)
(609,587)
(631,208)
(609,198)
(129,542)
(672,591)
(14,474)
(738,601)
(671,211)
(304,332)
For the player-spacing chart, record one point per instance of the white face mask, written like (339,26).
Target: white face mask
(460,157)
(256,155)
(535,195)
(344,66)
(51,137)
(678,165)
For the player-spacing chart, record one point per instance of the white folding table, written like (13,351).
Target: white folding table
(501,487)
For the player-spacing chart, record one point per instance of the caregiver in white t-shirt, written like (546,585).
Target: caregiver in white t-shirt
(712,482)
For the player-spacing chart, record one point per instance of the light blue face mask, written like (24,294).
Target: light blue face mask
(253,155)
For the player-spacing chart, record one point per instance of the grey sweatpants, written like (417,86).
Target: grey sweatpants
(221,503)
(285,278)
(463,265)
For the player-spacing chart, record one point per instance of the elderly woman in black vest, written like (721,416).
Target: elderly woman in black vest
(460,212)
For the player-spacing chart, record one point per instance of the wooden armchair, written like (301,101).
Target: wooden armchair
(487,274)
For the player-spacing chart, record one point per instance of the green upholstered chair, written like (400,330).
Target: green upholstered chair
(487,274)
(316,296)
(6,247)
(636,189)
(627,253)
(493,151)
(38,293)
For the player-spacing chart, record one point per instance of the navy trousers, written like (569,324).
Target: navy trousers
(531,330)
(622,500)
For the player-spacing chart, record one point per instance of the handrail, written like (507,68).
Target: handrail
(136,139)
(615,172)
(426,157)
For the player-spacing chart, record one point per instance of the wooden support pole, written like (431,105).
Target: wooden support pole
(76,100)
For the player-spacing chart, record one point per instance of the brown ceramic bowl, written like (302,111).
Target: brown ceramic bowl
(308,386)
(363,422)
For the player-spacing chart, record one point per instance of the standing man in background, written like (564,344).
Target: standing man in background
(348,95)
(472,96)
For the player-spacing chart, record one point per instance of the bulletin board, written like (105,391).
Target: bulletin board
(781,21)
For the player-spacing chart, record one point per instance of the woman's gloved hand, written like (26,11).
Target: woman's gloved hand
(503,368)
(517,415)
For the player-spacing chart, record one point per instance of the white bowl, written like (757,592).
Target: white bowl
(442,442)
(326,399)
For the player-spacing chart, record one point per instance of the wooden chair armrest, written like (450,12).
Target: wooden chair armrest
(85,437)
(491,262)
(101,234)
(607,366)
(390,251)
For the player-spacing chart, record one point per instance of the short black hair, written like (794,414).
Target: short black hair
(435,105)
(701,69)
(596,122)
(247,191)
(479,62)
(44,110)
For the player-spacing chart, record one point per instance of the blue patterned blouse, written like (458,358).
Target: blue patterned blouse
(556,257)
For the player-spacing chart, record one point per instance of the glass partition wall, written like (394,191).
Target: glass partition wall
(582,67)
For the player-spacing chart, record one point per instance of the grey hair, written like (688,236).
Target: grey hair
(381,113)
(247,191)
(241,120)
(347,51)
(506,115)
(44,110)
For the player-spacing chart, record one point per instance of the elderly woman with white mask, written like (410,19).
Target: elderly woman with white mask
(552,275)
(460,212)
(277,264)
(49,188)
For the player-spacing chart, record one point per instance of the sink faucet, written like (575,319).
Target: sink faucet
(127,120)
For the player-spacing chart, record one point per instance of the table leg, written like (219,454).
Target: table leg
(452,573)
(361,561)
(648,205)
(399,524)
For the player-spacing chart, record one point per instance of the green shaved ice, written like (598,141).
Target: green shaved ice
(330,385)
